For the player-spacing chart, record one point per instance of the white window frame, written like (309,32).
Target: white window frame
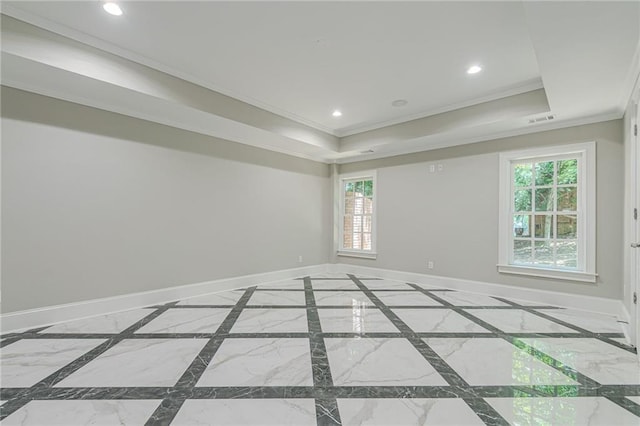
(368,254)
(586,271)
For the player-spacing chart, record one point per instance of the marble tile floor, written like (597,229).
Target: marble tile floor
(325,350)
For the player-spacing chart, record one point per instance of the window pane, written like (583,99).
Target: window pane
(366,224)
(522,225)
(347,238)
(544,199)
(543,253)
(522,251)
(357,224)
(567,226)
(522,174)
(544,226)
(522,200)
(359,188)
(358,206)
(349,204)
(544,173)
(348,188)
(368,188)
(357,240)
(568,198)
(368,206)
(366,241)
(567,172)
(567,253)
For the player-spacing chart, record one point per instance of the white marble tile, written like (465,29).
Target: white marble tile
(185,320)
(459,298)
(406,411)
(635,399)
(83,412)
(489,361)
(277,298)
(285,284)
(333,285)
(584,410)
(516,321)
(111,323)
(595,322)
(405,298)
(260,362)
(382,362)
(341,298)
(237,412)
(598,360)
(271,321)
(437,321)
(360,319)
(139,362)
(230,297)
(386,285)
(26,362)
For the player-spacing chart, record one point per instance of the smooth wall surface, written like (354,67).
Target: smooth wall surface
(451,217)
(96,204)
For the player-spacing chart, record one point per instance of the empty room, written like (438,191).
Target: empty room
(320,213)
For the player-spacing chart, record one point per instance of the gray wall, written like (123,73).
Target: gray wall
(451,217)
(96,204)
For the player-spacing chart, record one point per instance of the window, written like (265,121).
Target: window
(547,212)
(357,215)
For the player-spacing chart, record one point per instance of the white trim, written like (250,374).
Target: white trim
(368,175)
(362,254)
(586,209)
(602,305)
(548,273)
(48,315)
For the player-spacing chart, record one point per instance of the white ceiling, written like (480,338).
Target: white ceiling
(301,60)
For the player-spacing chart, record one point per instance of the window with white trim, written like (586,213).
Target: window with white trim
(357,215)
(547,212)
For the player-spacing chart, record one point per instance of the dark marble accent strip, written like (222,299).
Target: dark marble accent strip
(171,404)
(262,392)
(277,335)
(10,340)
(327,407)
(486,412)
(64,372)
(627,404)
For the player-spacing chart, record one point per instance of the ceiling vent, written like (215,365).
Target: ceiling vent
(541,119)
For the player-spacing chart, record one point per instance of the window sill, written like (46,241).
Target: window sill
(361,254)
(548,273)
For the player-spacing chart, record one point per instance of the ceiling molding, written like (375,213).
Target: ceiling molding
(527,87)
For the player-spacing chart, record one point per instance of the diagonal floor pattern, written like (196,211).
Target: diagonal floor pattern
(327,350)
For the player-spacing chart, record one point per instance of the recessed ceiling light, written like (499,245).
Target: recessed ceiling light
(474,69)
(112,8)
(399,103)
(337,113)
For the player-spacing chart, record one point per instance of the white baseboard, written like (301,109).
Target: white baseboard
(543,297)
(17,321)
(21,320)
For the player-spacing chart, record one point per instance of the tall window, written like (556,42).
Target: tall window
(547,217)
(357,208)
